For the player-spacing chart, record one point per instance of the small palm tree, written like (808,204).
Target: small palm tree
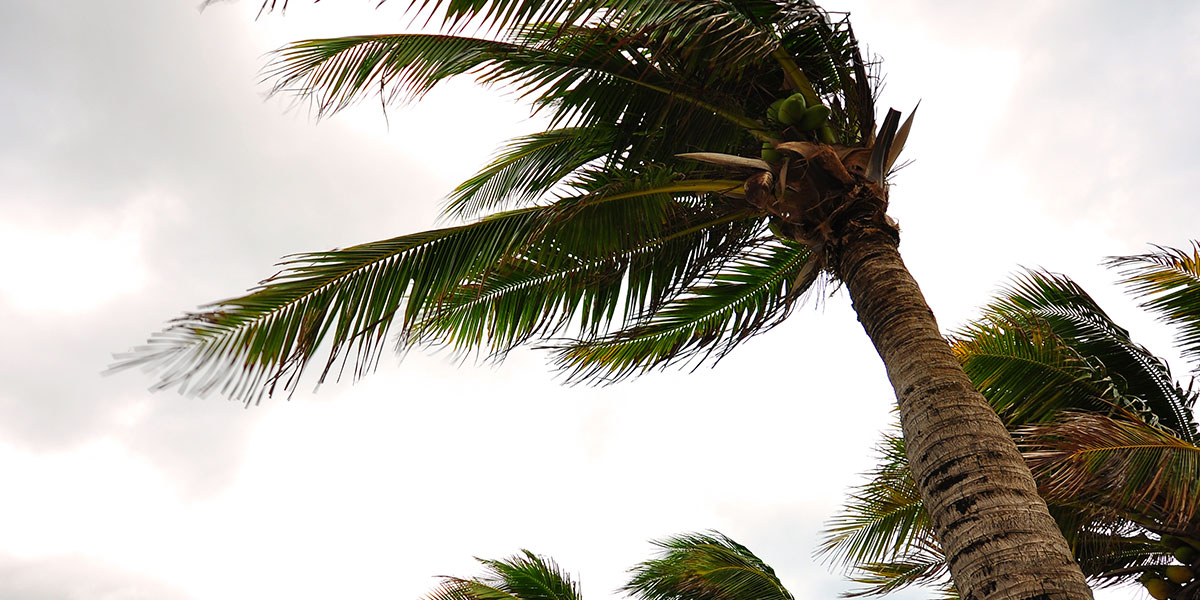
(708,163)
(705,566)
(1109,434)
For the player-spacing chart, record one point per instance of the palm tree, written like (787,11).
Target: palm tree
(702,566)
(637,228)
(1109,434)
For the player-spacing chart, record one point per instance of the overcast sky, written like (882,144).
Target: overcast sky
(142,173)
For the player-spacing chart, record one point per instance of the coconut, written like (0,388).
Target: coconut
(773,110)
(1158,588)
(1179,574)
(814,117)
(769,153)
(792,110)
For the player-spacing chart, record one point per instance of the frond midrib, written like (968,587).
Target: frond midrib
(742,298)
(538,279)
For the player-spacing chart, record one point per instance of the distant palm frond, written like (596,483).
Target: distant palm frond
(1120,464)
(1142,381)
(883,518)
(1169,279)
(883,533)
(524,576)
(705,566)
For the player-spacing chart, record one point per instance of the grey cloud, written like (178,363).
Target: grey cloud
(154,109)
(1134,151)
(77,578)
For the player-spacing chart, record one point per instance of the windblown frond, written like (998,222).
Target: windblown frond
(524,576)
(679,67)
(1142,381)
(883,519)
(1027,372)
(1118,464)
(530,167)
(582,288)
(746,297)
(705,566)
(927,567)
(1169,279)
(245,346)
(351,298)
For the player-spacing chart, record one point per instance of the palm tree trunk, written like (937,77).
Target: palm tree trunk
(999,538)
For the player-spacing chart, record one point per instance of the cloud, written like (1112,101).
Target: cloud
(141,174)
(74,577)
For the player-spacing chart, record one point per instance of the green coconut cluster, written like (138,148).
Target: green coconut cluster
(1169,581)
(798,120)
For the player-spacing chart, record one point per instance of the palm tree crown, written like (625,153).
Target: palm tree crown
(595,228)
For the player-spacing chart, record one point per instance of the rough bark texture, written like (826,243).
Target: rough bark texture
(998,536)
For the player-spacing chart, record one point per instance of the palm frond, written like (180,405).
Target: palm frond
(1119,464)
(1108,559)
(349,298)
(529,167)
(334,73)
(527,298)
(704,566)
(926,568)
(700,67)
(1140,377)
(637,240)
(524,576)
(1027,372)
(527,576)
(884,519)
(754,292)
(1169,279)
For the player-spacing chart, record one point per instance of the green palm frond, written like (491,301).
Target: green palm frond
(524,576)
(1117,464)
(1107,558)
(527,298)
(751,294)
(884,519)
(562,73)
(1169,279)
(1142,381)
(913,568)
(1027,372)
(334,73)
(351,298)
(704,566)
(529,167)
(700,67)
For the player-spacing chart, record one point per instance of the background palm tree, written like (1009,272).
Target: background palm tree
(1110,435)
(699,566)
(637,227)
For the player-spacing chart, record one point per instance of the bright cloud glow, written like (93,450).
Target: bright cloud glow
(73,263)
